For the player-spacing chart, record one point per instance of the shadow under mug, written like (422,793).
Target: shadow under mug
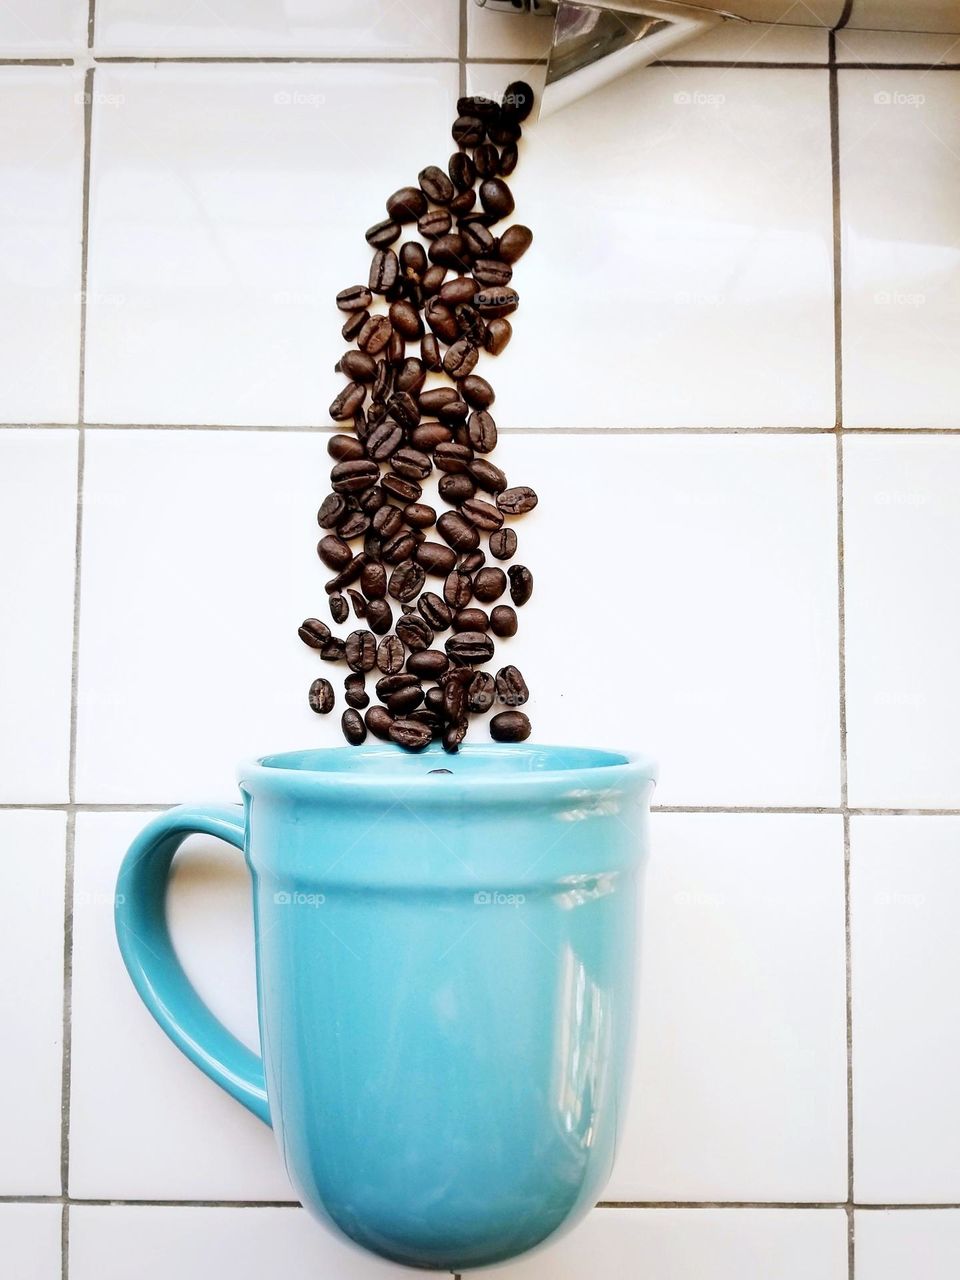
(445,975)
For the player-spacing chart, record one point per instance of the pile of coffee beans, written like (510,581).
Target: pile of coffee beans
(408,573)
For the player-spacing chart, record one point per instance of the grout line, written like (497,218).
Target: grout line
(36,62)
(266,60)
(91,23)
(462,50)
(722,1204)
(331,428)
(65,1242)
(109,806)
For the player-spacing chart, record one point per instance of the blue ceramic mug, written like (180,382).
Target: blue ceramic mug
(445,969)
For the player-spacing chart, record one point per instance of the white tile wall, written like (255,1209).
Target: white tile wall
(673,383)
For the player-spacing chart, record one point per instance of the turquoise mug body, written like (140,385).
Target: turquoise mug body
(445,953)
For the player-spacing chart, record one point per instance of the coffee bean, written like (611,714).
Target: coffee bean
(479,239)
(458,532)
(482,514)
(407,204)
(458,290)
(481,430)
(471,620)
(456,488)
(487,475)
(468,131)
(486,158)
(375,335)
(428,664)
(521,584)
(404,700)
(497,301)
(435,558)
(458,589)
(518,500)
(514,243)
(435,224)
(481,692)
(477,392)
(399,548)
(472,562)
(378,720)
(512,689)
(490,272)
(410,377)
(450,251)
(460,359)
(384,440)
(505,130)
(353,476)
(453,412)
(406,581)
(496,197)
(334,552)
(462,203)
(435,611)
(390,655)
(410,734)
(454,701)
(388,521)
(361,651)
(499,332)
(441,320)
(396,350)
(503,544)
(411,464)
(503,621)
(384,270)
(419,515)
(428,435)
(430,351)
(415,632)
(379,616)
(373,580)
(332,511)
(343,447)
(355,694)
(356,298)
(358,365)
(509,726)
(347,575)
(452,457)
(489,585)
(517,100)
(333,650)
(401,488)
(314,633)
(469,648)
(435,184)
(509,155)
(354,730)
(433,279)
(359,603)
(339,609)
(462,171)
(383,234)
(355,525)
(469,323)
(406,320)
(348,401)
(413,260)
(353,324)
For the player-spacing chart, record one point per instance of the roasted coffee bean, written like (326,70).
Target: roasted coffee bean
(395,683)
(458,532)
(353,324)
(314,633)
(462,203)
(435,558)
(371,500)
(454,701)
(469,323)
(343,448)
(358,365)
(379,616)
(406,581)
(452,457)
(450,251)
(334,552)
(384,270)
(404,700)
(388,521)
(411,376)
(404,409)
(339,609)
(471,620)
(375,335)
(360,424)
(468,131)
(453,735)
(481,430)
(441,320)
(517,100)
(355,695)
(372,546)
(411,464)
(497,301)
(407,204)
(382,386)
(521,584)
(479,239)
(356,524)
(399,548)
(434,702)
(481,692)
(435,184)
(486,159)
(428,664)
(420,515)
(378,720)
(458,290)
(477,391)
(321,696)
(512,689)
(480,106)
(428,435)
(347,575)
(509,726)
(396,350)
(354,476)
(410,734)
(487,475)
(354,730)
(401,488)
(413,260)
(415,632)
(333,650)
(435,611)
(503,544)
(509,155)
(348,401)
(458,589)
(384,440)
(505,130)
(356,298)
(469,648)
(482,514)
(423,715)
(361,651)
(514,243)
(433,399)
(390,655)
(430,351)
(499,332)
(460,358)
(373,580)
(491,273)
(435,224)
(496,197)
(333,511)
(406,320)
(383,234)
(489,584)
(453,412)
(518,500)
(503,621)
(359,603)
(472,562)
(462,171)
(433,279)
(456,488)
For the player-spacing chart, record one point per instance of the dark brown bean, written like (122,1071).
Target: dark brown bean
(361,651)
(353,324)
(477,392)
(433,279)
(332,651)
(499,332)
(481,431)
(472,562)
(456,488)
(471,620)
(384,270)
(512,689)
(373,580)
(454,412)
(411,463)
(497,302)
(378,720)
(487,475)
(314,633)
(489,584)
(354,476)
(434,610)
(441,320)
(375,335)
(450,251)
(469,323)
(509,155)
(428,435)
(339,609)
(406,581)
(358,365)
(462,171)
(399,548)
(435,224)
(458,290)
(343,447)
(514,243)
(458,589)
(503,621)
(354,730)
(419,515)
(355,525)
(379,616)
(430,351)
(333,511)
(479,240)
(384,440)
(348,401)
(521,584)
(401,488)
(410,734)
(388,521)
(491,272)
(383,234)
(356,298)
(390,655)
(334,552)
(452,457)
(457,531)
(463,202)
(428,664)
(509,726)
(350,573)
(415,632)
(469,648)
(407,204)
(359,603)
(435,558)
(482,514)
(503,544)
(496,197)
(405,319)
(518,500)
(355,695)
(481,692)
(435,184)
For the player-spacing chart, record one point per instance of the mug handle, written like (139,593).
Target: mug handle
(147,950)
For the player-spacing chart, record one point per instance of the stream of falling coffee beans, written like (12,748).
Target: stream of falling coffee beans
(408,429)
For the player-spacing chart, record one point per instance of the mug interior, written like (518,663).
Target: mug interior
(500,760)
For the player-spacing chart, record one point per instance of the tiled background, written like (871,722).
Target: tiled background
(737,358)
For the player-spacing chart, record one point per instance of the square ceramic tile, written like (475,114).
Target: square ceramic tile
(258,28)
(31,1000)
(891,1245)
(681,274)
(739,1088)
(55,27)
(145,1123)
(905,896)
(705,1244)
(719,592)
(228,208)
(755,42)
(492,33)
(902,525)
(891,16)
(30,1241)
(38,517)
(41,177)
(896,47)
(152,1243)
(900,181)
